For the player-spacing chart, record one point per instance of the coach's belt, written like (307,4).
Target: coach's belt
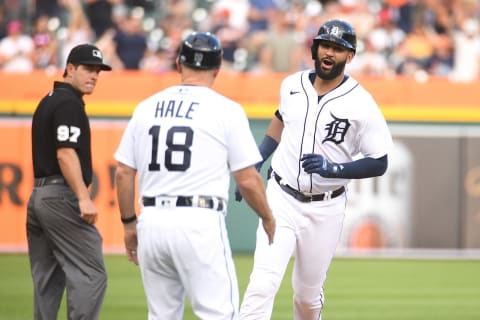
(305,197)
(206,202)
(49,180)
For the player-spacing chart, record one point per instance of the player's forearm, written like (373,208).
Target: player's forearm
(253,191)
(364,168)
(258,205)
(270,141)
(250,185)
(358,169)
(275,129)
(125,186)
(267,147)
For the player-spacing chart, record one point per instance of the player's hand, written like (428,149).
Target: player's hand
(130,239)
(315,163)
(238,195)
(269,225)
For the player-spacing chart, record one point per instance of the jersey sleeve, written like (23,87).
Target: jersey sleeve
(125,152)
(376,137)
(243,150)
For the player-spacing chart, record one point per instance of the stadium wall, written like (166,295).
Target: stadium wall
(429,198)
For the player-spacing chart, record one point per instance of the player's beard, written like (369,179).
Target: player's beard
(337,69)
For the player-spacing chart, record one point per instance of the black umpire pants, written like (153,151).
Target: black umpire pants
(65,253)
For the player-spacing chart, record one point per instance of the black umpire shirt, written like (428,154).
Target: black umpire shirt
(60,120)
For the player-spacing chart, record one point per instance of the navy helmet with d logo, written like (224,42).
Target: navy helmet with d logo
(337,31)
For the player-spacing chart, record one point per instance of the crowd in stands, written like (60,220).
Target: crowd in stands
(417,38)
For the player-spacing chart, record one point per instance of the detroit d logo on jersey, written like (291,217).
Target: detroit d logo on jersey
(336,130)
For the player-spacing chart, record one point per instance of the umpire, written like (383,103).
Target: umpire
(64,246)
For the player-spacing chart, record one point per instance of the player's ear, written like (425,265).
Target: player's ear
(179,65)
(350,56)
(69,68)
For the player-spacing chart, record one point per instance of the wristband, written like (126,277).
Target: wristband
(267,147)
(129,219)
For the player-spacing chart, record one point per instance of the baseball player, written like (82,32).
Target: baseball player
(64,246)
(325,120)
(183,142)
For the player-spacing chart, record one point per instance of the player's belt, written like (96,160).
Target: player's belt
(49,180)
(206,202)
(306,197)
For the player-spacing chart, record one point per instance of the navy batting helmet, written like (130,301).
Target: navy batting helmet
(201,50)
(337,31)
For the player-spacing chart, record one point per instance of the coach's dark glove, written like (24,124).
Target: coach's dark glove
(238,196)
(315,163)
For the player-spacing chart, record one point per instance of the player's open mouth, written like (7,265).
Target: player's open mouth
(327,64)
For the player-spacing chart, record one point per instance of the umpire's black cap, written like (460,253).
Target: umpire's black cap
(87,54)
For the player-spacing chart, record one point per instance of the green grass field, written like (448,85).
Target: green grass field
(356,289)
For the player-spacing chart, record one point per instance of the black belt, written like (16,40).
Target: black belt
(206,202)
(49,180)
(304,197)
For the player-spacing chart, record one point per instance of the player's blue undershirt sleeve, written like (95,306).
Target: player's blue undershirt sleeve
(364,168)
(267,147)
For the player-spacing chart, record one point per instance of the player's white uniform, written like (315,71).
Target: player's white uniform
(343,123)
(184,142)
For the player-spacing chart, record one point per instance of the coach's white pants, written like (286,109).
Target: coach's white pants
(185,252)
(310,232)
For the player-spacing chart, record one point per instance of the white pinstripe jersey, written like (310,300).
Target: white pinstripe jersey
(185,140)
(345,122)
